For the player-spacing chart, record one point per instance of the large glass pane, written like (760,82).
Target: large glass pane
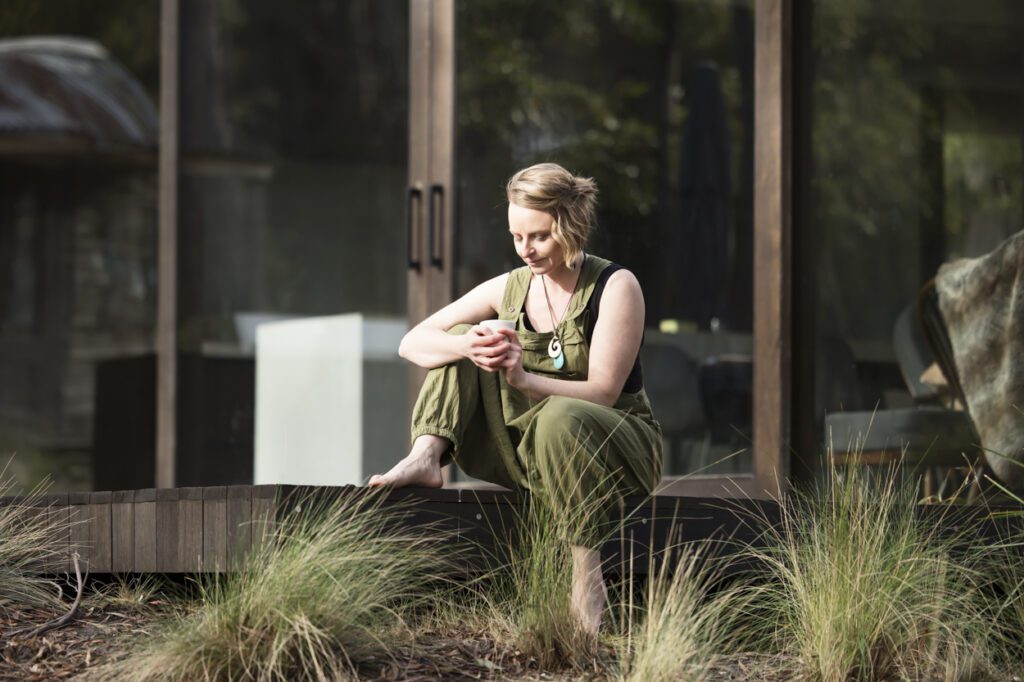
(654,100)
(918,158)
(78,144)
(294,136)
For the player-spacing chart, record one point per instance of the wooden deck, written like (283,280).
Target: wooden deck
(213,529)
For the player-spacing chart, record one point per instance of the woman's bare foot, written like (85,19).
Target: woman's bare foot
(589,594)
(420,468)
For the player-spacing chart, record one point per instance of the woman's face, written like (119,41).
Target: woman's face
(531,233)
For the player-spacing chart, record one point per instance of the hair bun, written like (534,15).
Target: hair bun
(583,187)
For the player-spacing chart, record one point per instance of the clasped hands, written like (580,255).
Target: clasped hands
(496,351)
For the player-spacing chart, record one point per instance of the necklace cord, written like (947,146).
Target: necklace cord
(551,310)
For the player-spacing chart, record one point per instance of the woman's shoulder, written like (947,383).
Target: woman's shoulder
(606,272)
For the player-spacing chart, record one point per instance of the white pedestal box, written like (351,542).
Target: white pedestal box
(331,399)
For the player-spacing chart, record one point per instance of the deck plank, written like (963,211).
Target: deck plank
(167,513)
(122,531)
(215,534)
(144,537)
(100,532)
(58,512)
(190,529)
(264,514)
(238,538)
(80,518)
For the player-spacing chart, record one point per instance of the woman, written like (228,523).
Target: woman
(516,407)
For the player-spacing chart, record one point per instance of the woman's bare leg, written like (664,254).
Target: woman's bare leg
(420,468)
(589,594)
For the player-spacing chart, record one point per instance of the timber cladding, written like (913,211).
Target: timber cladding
(214,529)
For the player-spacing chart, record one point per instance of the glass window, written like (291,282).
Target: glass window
(294,136)
(917,159)
(78,197)
(654,100)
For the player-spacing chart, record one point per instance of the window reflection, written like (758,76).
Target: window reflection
(294,135)
(917,159)
(78,139)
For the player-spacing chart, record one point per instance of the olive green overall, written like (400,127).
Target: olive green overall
(566,449)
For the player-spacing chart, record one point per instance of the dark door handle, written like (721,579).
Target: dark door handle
(413,202)
(435,237)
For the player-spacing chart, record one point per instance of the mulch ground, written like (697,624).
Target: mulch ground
(98,632)
(102,630)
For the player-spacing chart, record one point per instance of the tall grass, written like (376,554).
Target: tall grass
(27,544)
(858,586)
(335,587)
(525,603)
(689,619)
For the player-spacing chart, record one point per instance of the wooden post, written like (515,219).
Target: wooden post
(772,244)
(167,248)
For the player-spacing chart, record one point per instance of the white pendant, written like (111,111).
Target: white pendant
(554,348)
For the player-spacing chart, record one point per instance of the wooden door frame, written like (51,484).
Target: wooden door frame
(167,248)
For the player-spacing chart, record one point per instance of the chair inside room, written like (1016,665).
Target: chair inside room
(670,380)
(932,439)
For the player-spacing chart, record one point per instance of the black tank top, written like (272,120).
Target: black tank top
(635,380)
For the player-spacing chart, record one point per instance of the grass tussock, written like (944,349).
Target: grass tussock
(687,622)
(27,544)
(525,603)
(334,587)
(856,585)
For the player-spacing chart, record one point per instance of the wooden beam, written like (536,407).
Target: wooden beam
(167,248)
(772,243)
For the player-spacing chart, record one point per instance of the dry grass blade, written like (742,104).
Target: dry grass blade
(689,620)
(26,544)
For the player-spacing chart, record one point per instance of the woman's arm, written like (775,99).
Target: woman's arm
(429,344)
(613,349)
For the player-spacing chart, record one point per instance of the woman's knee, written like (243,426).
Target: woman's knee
(562,417)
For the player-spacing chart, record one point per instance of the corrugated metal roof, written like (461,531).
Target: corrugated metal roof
(61,87)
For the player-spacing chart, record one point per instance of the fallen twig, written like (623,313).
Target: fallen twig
(67,617)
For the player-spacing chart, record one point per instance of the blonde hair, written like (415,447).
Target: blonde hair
(569,199)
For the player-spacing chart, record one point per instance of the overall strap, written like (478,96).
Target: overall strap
(516,288)
(592,268)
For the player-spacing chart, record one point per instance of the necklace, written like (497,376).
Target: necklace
(555,346)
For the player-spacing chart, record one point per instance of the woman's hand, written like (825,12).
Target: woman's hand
(512,366)
(486,349)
